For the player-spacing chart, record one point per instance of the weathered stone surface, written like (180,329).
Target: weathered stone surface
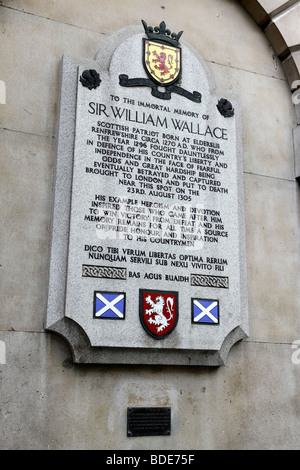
(273,154)
(26,216)
(71,407)
(25,71)
(272,254)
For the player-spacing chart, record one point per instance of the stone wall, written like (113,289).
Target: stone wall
(47,402)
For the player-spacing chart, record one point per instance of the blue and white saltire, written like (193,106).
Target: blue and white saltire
(109,305)
(205,311)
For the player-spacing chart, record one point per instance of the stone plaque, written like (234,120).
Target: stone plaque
(148,244)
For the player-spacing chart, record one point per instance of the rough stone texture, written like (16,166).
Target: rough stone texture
(45,401)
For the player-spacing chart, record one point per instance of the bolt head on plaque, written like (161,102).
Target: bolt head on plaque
(158,312)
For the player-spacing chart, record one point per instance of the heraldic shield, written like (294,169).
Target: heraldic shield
(158,312)
(162,62)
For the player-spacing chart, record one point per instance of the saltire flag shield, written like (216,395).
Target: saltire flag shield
(205,311)
(162,62)
(158,312)
(109,305)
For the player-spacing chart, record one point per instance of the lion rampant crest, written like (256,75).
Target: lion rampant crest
(157,308)
(162,62)
(161,59)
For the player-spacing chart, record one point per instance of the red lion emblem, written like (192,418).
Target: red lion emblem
(161,58)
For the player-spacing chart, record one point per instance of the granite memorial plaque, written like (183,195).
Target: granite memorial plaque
(148,242)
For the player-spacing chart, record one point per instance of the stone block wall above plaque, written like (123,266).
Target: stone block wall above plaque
(148,243)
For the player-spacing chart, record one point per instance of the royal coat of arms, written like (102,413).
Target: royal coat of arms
(158,312)
(162,59)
